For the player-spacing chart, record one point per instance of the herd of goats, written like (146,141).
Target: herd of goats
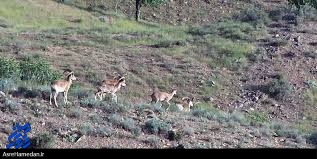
(112,86)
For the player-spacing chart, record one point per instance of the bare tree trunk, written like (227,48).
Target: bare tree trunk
(137,9)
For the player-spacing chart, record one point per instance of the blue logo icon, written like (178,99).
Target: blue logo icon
(19,138)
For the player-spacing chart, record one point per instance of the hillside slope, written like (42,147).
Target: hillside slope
(240,68)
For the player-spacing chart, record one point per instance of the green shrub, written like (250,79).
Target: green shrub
(7,85)
(312,138)
(38,70)
(11,105)
(278,88)
(239,117)
(130,125)
(255,16)
(104,132)
(211,114)
(75,113)
(156,126)
(86,129)
(89,102)
(257,118)
(9,68)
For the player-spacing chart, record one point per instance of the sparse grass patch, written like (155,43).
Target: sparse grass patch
(253,15)
(240,118)
(44,15)
(277,13)
(256,118)
(188,131)
(89,102)
(221,52)
(112,107)
(153,141)
(285,130)
(95,118)
(115,119)
(80,93)
(305,126)
(74,113)
(211,114)
(266,131)
(104,132)
(308,12)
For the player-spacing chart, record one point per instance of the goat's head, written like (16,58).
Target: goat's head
(71,76)
(121,81)
(67,72)
(174,91)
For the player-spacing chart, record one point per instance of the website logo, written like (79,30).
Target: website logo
(19,139)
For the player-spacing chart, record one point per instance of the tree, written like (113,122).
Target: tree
(140,3)
(299,3)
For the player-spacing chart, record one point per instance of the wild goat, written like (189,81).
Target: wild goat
(111,87)
(59,86)
(185,104)
(162,96)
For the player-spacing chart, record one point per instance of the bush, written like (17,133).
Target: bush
(213,114)
(7,85)
(278,88)
(89,102)
(308,12)
(104,132)
(9,68)
(86,129)
(156,126)
(11,105)
(112,107)
(74,113)
(130,125)
(42,141)
(312,139)
(239,117)
(38,70)
(255,16)
(285,131)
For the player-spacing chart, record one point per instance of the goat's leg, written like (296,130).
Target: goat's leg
(51,96)
(96,95)
(168,105)
(65,98)
(55,96)
(115,98)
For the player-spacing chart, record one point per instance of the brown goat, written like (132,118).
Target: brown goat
(111,87)
(61,86)
(158,96)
